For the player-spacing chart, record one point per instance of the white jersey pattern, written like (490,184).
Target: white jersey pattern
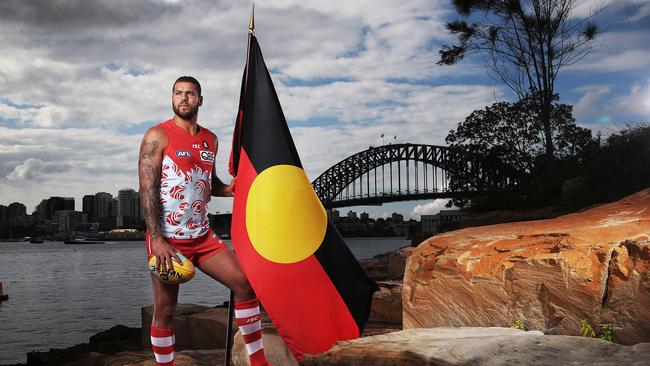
(184,198)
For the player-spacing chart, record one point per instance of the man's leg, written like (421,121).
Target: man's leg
(225,268)
(165,298)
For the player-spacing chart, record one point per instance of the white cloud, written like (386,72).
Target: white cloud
(33,169)
(430,208)
(587,106)
(598,102)
(75,85)
(636,102)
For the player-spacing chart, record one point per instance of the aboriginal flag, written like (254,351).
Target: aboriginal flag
(310,284)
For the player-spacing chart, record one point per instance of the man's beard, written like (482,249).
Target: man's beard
(187,115)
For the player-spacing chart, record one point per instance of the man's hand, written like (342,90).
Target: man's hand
(164,253)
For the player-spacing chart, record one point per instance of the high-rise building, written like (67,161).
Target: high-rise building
(68,219)
(127,200)
(127,208)
(114,207)
(48,207)
(352,215)
(334,215)
(365,216)
(4,213)
(102,205)
(88,206)
(68,203)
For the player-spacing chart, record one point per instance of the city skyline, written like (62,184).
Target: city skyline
(82,81)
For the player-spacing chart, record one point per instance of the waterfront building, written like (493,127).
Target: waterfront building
(128,211)
(68,220)
(365,216)
(4,213)
(88,206)
(68,203)
(102,205)
(106,223)
(430,224)
(114,207)
(48,207)
(352,215)
(334,215)
(395,217)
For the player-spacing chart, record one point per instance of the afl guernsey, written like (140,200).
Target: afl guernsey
(185,182)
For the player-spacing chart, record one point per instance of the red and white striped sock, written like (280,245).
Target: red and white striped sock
(162,344)
(247,317)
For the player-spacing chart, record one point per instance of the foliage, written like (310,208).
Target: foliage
(526,43)
(620,167)
(587,330)
(505,147)
(519,324)
(607,333)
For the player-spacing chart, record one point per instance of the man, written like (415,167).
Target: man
(177,178)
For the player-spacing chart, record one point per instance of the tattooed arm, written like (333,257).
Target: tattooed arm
(219,188)
(149,168)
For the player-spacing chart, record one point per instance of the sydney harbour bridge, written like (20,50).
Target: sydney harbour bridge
(402,172)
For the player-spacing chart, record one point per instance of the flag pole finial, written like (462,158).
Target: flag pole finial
(251,23)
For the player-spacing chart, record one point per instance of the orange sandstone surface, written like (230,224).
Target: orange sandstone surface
(551,274)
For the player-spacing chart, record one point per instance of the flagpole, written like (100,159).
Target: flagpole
(251,33)
(231,302)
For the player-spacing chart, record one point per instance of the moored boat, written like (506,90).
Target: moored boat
(83,240)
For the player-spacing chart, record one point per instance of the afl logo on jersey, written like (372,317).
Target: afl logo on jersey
(183,153)
(207,156)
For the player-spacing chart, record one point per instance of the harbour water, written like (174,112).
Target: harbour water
(60,295)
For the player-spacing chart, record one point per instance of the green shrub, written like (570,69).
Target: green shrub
(519,324)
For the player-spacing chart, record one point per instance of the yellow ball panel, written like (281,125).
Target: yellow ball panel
(285,220)
(182,272)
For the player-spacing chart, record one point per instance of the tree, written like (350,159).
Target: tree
(526,43)
(506,141)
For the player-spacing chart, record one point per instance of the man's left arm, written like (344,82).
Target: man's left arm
(219,188)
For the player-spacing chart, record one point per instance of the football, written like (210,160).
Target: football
(182,272)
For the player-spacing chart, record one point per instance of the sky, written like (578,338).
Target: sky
(82,80)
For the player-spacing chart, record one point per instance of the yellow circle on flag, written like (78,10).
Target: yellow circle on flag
(285,220)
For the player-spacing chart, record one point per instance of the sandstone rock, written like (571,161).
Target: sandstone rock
(387,304)
(478,346)
(387,266)
(275,349)
(551,274)
(195,327)
(116,339)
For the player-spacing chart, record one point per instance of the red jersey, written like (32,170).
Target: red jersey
(185,182)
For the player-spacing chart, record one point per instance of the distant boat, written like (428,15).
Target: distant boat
(82,240)
(3,296)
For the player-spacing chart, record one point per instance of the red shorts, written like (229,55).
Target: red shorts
(195,250)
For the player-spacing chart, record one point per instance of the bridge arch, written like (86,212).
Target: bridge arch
(333,185)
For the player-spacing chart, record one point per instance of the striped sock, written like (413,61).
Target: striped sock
(162,344)
(247,317)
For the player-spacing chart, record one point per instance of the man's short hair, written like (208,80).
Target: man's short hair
(188,79)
